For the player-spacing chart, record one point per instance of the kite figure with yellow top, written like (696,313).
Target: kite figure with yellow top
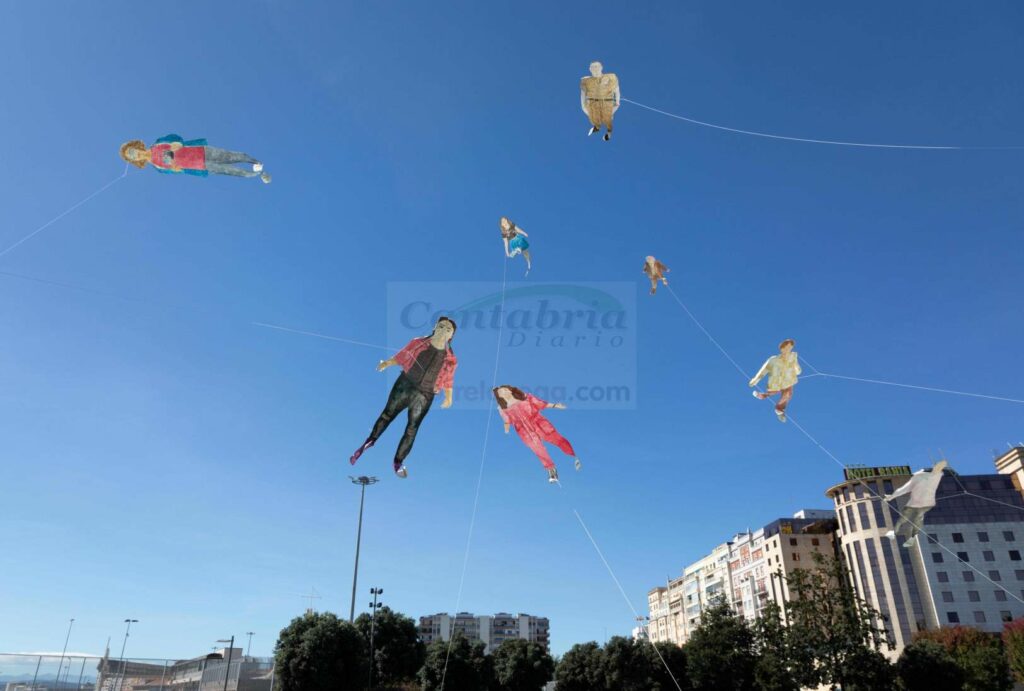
(600,98)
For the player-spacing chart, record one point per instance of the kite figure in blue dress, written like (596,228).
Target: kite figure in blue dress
(515,240)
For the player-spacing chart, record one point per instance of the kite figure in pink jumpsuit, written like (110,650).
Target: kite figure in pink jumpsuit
(524,411)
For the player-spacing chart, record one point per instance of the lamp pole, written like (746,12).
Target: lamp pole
(124,665)
(231,648)
(250,634)
(363,481)
(374,606)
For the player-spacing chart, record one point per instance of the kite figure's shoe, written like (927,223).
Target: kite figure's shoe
(400,471)
(757,395)
(593,129)
(257,167)
(911,541)
(578,464)
(607,136)
(552,475)
(781,415)
(359,452)
(891,534)
(265,177)
(653,290)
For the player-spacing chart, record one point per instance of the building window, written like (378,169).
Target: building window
(1019,573)
(936,557)
(887,486)
(1000,595)
(995,576)
(942,576)
(952,617)
(947,596)
(815,541)
(982,537)
(968,576)
(1005,615)
(792,541)
(979,617)
(796,556)
(1008,536)
(989,555)
(974,596)
(1014,555)
(933,537)
(962,556)
(958,537)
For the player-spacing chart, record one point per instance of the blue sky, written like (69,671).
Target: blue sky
(162,458)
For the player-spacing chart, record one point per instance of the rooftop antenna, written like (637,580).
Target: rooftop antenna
(314,595)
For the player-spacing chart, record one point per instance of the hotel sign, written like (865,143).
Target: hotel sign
(881,471)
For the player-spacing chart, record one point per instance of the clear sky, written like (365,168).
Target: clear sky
(162,458)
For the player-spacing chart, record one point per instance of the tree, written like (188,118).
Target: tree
(831,629)
(319,652)
(720,653)
(522,666)
(660,655)
(626,666)
(397,651)
(775,669)
(868,670)
(581,668)
(926,665)
(1013,642)
(468,669)
(979,655)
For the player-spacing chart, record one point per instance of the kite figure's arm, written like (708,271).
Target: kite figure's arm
(447,398)
(760,373)
(384,364)
(906,488)
(506,246)
(557,406)
(583,98)
(618,96)
(521,232)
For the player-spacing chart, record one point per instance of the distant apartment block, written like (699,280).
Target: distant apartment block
(492,630)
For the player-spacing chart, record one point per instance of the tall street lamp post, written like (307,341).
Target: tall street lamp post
(250,634)
(65,650)
(374,606)
(124,665)
(230,649)
(363,481)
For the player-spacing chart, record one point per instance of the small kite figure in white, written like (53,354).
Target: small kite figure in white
(600,98)
(783,371)
(921,487)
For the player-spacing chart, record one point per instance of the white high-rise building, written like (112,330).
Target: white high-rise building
(492,630)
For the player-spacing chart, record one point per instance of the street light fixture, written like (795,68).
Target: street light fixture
(250,634)
(124,665)
(363,481)
(374,606)
(231,648)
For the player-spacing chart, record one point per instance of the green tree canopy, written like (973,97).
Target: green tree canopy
(522,666)
(469,669)
(720,653)
(926,665)
(397,651)
(979,655)
(319,652)
(581,668)
(1013,642)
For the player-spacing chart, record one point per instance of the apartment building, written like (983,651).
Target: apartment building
(492,630)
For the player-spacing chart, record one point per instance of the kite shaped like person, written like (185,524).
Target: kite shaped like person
(172,154)
(783,371)
(655,271)
(523,410)
(515,240)
(428,367)
(921,488)
(600,98)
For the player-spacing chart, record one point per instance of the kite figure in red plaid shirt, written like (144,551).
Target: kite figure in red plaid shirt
(428,366)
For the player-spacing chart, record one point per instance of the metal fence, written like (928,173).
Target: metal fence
(26,672)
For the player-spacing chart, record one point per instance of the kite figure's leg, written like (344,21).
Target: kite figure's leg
(228,169)
(419,404)
(526,256)
(398,399)
(594,115)
(763,395)
(654,286)
(784,399)
(536,445)
(224,156)
(553,437)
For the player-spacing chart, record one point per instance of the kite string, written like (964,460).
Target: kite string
(823,141)
(625,597)
(64,213)
(831,455)
(480,474)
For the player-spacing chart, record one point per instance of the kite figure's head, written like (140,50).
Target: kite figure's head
(786,346)
(650,260)
(135,152)
(595,68)
(940,466)
(506,225)
(506,395)
(444,329)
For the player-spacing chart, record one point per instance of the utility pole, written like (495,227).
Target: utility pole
(227,669)
(374,606)
(363,481)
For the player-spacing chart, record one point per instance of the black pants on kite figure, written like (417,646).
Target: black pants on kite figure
(405,395)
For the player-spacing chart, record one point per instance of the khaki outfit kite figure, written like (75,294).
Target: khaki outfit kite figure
(782,370)
(655,271)
(600,98)
(921,487)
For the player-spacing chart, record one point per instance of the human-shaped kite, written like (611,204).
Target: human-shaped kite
(515,240)
(428,366)
(524,411)
(600,98)
(921,487)
(172,154)
(782,370)
(655,271)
